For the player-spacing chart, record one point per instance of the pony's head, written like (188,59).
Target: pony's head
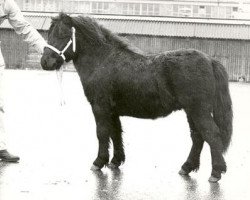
(61,43)
(92,39)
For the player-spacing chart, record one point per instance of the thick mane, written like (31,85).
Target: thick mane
(98,34)
(95,33)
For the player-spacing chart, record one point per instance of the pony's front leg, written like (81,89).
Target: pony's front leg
(103,129)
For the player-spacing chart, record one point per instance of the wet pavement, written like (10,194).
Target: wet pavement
(57,145)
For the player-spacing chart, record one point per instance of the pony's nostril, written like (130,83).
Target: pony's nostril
(55,66)
(43,63)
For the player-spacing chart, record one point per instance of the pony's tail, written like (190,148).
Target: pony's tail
(222,106)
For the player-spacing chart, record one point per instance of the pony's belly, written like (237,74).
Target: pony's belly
(146,111)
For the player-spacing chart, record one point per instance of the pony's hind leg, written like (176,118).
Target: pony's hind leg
(206,125)
(116,136)
(193,161)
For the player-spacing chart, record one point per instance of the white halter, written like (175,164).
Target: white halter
(72,41)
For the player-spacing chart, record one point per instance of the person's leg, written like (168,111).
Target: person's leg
(4,154)
(2,130)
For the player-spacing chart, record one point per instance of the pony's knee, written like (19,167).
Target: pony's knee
(196,138)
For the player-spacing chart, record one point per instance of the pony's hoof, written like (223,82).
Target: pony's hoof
(183,172)
(213,179)
(113,166)
(95,168)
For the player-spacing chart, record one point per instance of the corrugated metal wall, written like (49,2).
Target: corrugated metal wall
(16,53)
(13,49)
(234,54)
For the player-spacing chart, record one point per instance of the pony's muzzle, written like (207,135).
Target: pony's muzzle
(49,64)
(44,64)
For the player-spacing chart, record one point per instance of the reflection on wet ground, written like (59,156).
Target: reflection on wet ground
(108,187)
(57,146)
(192,190)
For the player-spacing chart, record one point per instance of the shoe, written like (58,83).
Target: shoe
(7,157)
(1,109)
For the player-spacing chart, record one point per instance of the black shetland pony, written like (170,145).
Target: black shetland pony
(119,80)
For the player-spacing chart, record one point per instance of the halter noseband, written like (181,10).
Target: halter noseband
(72,41)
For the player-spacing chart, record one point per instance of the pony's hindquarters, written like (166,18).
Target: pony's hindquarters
(222,106)
(210,117)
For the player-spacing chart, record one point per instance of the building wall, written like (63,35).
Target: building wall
(17,54)
(234,54)
(14,51)
(200,8)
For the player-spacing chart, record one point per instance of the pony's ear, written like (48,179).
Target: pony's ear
(66,18)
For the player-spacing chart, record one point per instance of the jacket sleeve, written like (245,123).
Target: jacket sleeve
(22,27)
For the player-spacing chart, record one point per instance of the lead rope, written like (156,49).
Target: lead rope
(59,74)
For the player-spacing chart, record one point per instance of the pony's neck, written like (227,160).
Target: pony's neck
(88,61)
(95,53)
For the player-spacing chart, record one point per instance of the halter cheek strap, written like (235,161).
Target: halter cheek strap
(72,41)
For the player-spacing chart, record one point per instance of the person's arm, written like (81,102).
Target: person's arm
(22,27)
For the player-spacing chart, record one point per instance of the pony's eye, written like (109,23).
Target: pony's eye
(63,36)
